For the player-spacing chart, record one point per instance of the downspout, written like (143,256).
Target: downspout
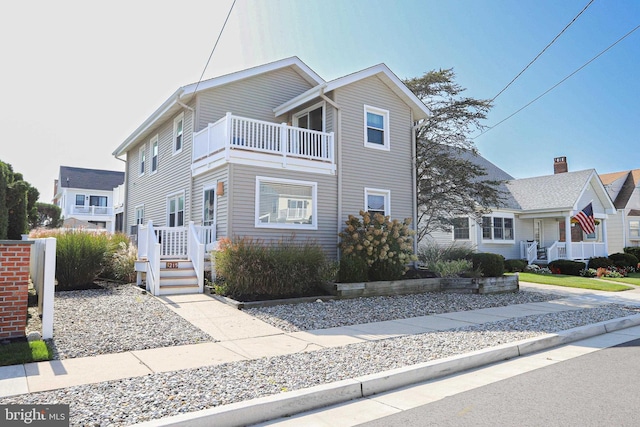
(338,160)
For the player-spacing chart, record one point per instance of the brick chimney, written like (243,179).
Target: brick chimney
(560,165)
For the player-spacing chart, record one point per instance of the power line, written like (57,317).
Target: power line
(215,45)
(559,83)
(543,50)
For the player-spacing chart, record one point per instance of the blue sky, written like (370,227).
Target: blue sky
(78,77)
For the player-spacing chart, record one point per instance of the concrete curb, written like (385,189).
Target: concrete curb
(294,402)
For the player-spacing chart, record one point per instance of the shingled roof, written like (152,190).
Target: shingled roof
(89,179)
(620,186)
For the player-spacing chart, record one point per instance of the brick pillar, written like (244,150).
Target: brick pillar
(15,257)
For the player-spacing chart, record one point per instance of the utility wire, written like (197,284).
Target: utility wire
(214,46)
(560,82)
(543,50)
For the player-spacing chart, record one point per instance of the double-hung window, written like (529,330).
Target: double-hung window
(142,157)
(460,228)
(175,210)
(79,199)
(376,128)
(178,129)
(140,214)
(285,203)
(634,229)
(377,201)
(154,154)
(497,228)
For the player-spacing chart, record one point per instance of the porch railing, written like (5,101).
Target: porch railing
(586,250)
(234,132)
(529,251)
(173,241)
(91,210)
(557,251)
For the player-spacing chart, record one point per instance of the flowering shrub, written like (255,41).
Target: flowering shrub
(588,272)
(533,268)
(385,246)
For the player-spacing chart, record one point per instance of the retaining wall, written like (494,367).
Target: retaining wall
(15,256)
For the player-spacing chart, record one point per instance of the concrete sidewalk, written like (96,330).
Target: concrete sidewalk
(242,337)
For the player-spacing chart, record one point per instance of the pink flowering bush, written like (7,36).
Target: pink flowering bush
(375,248)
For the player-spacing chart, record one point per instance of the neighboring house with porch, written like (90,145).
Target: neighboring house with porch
(86,196)
(536,222)
(624,189)
(268,152)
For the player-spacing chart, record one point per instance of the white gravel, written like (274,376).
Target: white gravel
(134,400)
(114,319)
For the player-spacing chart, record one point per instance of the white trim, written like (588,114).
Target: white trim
(154,141)
(378,192)
(142,159)
(135,212)
(207,187)
(179,118)
(386,144)
(314,204)
(184,201)
(322,105)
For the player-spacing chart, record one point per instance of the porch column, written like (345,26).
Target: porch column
(567,236)
(603,226)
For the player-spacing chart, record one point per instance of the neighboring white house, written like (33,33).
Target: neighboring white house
(269,152)
(624,189)
(536,221)
(86,196)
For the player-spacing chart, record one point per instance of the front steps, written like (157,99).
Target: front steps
(178,277)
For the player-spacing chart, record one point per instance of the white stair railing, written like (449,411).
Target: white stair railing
(149,248)
(195,252)
(529,250)
(557,251)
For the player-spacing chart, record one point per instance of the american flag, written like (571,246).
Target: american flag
(586,220)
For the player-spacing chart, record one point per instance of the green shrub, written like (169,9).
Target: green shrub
(491,265)
(385,245)
(253,268)
(352,269)
(566,266)
(624,260)
(453,268)
(589,272)
(633,250)
(120,259)
(599,262)
(432,252)
(515,265)
(79,257)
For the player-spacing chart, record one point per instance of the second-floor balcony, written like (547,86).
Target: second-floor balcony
(256,142)
(91,210)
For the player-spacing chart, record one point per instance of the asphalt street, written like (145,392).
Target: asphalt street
(598,389)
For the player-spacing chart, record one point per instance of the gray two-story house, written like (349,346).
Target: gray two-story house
(268,152)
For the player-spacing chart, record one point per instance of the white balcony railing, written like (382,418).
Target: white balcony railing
(92,210)
(232,133)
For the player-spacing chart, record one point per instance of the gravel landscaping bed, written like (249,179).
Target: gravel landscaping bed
(346,312)
(134,400)
(116,318)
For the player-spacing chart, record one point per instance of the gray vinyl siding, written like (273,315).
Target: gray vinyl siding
(173,174)
(254,97)
(366,167)
(242,210)
(207,180)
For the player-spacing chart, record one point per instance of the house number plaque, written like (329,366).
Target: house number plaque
(172,265)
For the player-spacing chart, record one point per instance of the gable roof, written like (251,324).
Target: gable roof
(90,179)
(420,111)
(621,185)
(554,192)
(184,94)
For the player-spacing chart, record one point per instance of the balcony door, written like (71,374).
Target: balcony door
(311,119)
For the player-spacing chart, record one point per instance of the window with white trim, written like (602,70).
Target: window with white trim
(460,228)
(634,229)
(376,128)
(142,157)
(154,154)
(497,228)
(209,206)
(286,203)
(79,199)
(140,214)
(377,201)
(178,129)
(175,210)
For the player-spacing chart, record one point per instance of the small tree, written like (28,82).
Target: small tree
(48,216)
(449,184)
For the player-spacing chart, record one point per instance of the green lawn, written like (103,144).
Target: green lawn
(576,282)
(632,279)
(20,352)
